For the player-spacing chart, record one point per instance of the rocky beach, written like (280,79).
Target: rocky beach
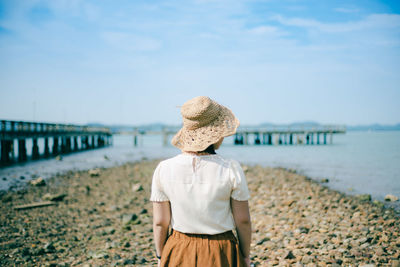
(103,217)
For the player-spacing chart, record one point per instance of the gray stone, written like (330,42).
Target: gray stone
(38,182)
(364,197)
(98,255)
(143,211)
(307,259)
(137,187)
(127,218)
(288,255)
(56,197)
(391,198)
(94,172)
(108,231)
(260,242)
(49,247)
(303,230)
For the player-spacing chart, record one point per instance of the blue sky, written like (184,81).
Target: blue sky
(134,62)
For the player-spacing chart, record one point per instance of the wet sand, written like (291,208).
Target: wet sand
(105,220)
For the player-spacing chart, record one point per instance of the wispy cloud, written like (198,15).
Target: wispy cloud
(347,10)
(373,21)
(267,30)
(126,41)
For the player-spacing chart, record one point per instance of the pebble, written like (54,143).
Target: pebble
(38,182)
(98,255)
(127,218)
(108,231)
(143,211)
(391,198)
(364,197)
(137,187)
(288,255)
(55,197)
(94,172)
(49,247)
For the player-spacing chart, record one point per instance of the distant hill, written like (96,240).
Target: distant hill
(374,127)
(306,124)
(294,124)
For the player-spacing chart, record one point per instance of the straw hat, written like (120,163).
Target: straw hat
(205,122)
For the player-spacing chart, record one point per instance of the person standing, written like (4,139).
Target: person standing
(201,195)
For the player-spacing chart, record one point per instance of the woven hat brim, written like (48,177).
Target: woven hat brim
(199,139)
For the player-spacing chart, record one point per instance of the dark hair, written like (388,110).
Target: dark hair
(210,149)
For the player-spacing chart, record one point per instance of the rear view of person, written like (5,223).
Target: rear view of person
(201,195)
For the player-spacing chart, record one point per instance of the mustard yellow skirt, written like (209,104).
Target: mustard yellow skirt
(198,250)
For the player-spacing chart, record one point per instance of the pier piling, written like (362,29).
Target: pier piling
(35,149)
(22,150)
(76,148)
(46,148)
(55,146)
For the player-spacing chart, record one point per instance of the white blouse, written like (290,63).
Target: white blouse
(199,189)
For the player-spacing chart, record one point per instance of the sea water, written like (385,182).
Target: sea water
(357,162)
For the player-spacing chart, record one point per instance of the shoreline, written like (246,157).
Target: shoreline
(22,182)
(105,219)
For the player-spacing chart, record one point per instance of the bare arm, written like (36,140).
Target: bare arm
(241,216)
(161,221)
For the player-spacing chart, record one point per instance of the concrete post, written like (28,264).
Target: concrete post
(55,146)
(76,148)
(246,138)
(46,147)
(63,145)
(5,151)
(324,138)
(291,139)
(22,150)
(257,139)
(35,149)
(236,139)
(68,144)
(317,138)
(87,146)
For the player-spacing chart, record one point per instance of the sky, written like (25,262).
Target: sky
(135,62)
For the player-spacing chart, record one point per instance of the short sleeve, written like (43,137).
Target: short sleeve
(240,191)
(157,194)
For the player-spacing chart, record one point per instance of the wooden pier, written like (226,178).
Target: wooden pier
(288,135)
(320,135)
(56,139)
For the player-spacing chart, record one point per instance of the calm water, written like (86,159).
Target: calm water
(356,162)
